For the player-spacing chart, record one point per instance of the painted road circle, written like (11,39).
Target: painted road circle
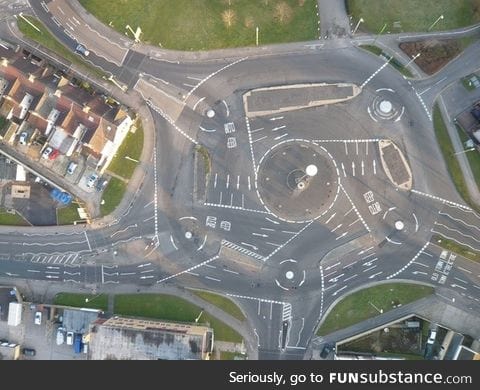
(289,275)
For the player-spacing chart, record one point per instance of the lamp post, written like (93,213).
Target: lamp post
(379,33)
(464,151)
(196,319)
(91,299)
(413,59)
(435,22)
(358,24)
(376,308)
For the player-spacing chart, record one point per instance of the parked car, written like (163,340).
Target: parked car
(23,138)
(432,336)
(91,180)
(101,184)
(46,152)
(60,336)
(28,352)
(38,318)
(54,154)
(326,350)
(69,338)
(71,167)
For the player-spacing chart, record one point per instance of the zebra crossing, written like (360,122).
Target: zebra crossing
(287,311)
(62,258)
(243,250)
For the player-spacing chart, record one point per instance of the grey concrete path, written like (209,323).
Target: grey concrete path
(334,21)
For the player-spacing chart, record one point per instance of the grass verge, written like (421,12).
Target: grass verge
(12,219)
(210,24)
(68,215)
(393,61)
(227,305)
(472,156)
(112,195)
(363,304)
(46,39)
(132,148)
(224,355)
(453,166)
(171,308)
(413,15)
(78,300)
(452,246)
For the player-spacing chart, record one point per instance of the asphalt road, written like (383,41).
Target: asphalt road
(284,274)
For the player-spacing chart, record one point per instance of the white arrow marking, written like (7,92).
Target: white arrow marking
(341,289)
(144,265)
(372,276)
(331,266)
(456,285)
(250,245)
(419,273)
(260,235)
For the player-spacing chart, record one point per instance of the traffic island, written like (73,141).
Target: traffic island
(395,165)
(275,100)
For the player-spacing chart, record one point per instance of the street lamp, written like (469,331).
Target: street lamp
(379,33)
(376,308)
(413,59)
(464,151)
(196,319)
(358,24)
(435,22)
(91,299)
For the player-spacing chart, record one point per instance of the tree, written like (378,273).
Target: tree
(283,12)
(229,17)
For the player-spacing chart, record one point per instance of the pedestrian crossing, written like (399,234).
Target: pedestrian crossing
(287,312)
(243,250)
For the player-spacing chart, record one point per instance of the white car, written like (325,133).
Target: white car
(46,153)
(38,318)
(91,180)
(23,138)
(431,339)
(60,336)
(69,338)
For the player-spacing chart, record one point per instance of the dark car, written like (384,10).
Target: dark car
(326,350)
(28,351)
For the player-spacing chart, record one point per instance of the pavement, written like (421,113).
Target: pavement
(163,238)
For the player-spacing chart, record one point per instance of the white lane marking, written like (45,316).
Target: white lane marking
(356,148)
(207,130)
(354,222)
(363,168)
(215,181)
(374,275)
(350,277)
(189,85)
(353,168)
(421,264)
(212,75)
(189,269)
(368,269)
(267,229)
(346,148)
(331,217)
(341,236)
(257,130)
(456,285)
(272,221)
(238,182)
(416,222)
(214,279)
(457,231)
(173,242)
(453,239)
(464,269)
(343,169)
(198,102)
(249,183)
(226,107)
(194,78)
(280,137)
(203,243)
(276,118)
(279,128)
(338,227)
(127,273)
(250,245)
(445,201)
(228,182)
(232,272)
(332,266)
(340,289)
(460,280)
(365,250)
(221,196)
(33,270)
(88,241)
(260,139)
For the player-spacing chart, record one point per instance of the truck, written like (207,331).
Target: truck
(77,343)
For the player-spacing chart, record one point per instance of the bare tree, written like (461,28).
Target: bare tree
(283,12)
(229,17)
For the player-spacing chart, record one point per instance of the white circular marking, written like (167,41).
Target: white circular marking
(311,170)
(289,275)
(210,113)
(386,107)
(399,225)
(301,185)
(188,235)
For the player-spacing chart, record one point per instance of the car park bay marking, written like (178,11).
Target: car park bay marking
(465,270)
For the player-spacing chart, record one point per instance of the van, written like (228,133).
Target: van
(71,167)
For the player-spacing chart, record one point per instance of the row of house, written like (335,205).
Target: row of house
(38,99)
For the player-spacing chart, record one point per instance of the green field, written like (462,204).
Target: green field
(132,148)
(363,304)
(46,39)
(456,248)
(224,355)
(171,308)
(68,215)
(112,195)
(99,301)
(227,305)
(446,147)
(210,24)
(12,219)
(472,156)
(414,15)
